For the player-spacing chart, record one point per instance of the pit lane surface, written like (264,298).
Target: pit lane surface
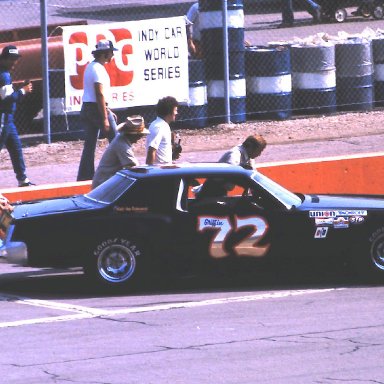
(55,330)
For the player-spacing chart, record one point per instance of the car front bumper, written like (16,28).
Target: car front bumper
(13,253)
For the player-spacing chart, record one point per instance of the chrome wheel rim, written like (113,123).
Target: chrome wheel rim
(116,263)
(340,15)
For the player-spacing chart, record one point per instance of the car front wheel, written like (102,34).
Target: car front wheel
(114,261)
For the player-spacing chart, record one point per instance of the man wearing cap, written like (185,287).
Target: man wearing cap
(119,153)
(9,97)
(245,153)
(95,114)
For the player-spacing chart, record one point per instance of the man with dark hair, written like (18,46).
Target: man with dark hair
(159,140)
(245,153)
(9,97)
(95,114)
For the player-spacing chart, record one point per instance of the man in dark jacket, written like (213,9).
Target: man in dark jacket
(9,96)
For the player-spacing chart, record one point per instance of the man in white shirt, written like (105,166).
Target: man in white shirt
(95,114)
(159,140)
(245,153)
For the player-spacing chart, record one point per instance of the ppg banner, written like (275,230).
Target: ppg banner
(151,61)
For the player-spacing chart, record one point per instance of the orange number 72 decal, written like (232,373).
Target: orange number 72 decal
(222,227)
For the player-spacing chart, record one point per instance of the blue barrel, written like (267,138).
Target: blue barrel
(313,78)
(378,69)
(268,82)
(194,113)
(354,75)
(211,23)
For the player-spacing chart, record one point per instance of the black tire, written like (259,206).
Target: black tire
(114,262)
(366,11)
(378,12)
(369,261)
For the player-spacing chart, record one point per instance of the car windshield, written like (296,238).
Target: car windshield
(111,190)
(287,198)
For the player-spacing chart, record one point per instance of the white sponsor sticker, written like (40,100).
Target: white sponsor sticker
(338,212)
(321,232)
(322,214)
(324,220)
(341,222)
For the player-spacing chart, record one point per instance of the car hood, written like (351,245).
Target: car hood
(54,206)
(316,202)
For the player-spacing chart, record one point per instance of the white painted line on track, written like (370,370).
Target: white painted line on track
(89,313)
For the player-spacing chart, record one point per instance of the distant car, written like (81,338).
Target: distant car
(193,219)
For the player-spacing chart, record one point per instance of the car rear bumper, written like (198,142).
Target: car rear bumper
(13,253)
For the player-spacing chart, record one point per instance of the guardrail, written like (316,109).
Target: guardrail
(355,174)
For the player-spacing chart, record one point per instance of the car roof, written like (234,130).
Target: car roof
(184,169)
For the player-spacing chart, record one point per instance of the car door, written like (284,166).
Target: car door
(228,218)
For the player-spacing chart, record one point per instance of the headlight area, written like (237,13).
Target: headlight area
(12,252)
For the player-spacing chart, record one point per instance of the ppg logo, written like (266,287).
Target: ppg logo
(80,50)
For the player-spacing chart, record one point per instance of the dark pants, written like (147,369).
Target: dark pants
(92,122)
(287,9)
(10,139)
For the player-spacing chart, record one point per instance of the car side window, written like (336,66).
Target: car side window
(152,195)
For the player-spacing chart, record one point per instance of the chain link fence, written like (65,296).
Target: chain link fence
(250,70)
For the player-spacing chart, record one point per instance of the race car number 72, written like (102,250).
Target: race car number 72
(222,227)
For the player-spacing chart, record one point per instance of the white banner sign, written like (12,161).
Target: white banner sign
(151,61)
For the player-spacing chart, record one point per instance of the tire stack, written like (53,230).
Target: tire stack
(313,78)
(194,114)
(269,82)
(378,65)
(354,75)
(211,25)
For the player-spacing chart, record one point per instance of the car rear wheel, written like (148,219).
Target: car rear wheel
(114,262)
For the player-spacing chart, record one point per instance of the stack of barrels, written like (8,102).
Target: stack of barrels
(212,38)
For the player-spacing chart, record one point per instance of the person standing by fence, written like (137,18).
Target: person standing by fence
(9,97)
(95,114)
(310,6)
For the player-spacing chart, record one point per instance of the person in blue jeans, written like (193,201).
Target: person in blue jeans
(310,6)
(9,97)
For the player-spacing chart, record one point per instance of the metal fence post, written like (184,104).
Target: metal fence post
(45,67)
(226,60)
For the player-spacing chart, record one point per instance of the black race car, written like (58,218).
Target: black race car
(194,219)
